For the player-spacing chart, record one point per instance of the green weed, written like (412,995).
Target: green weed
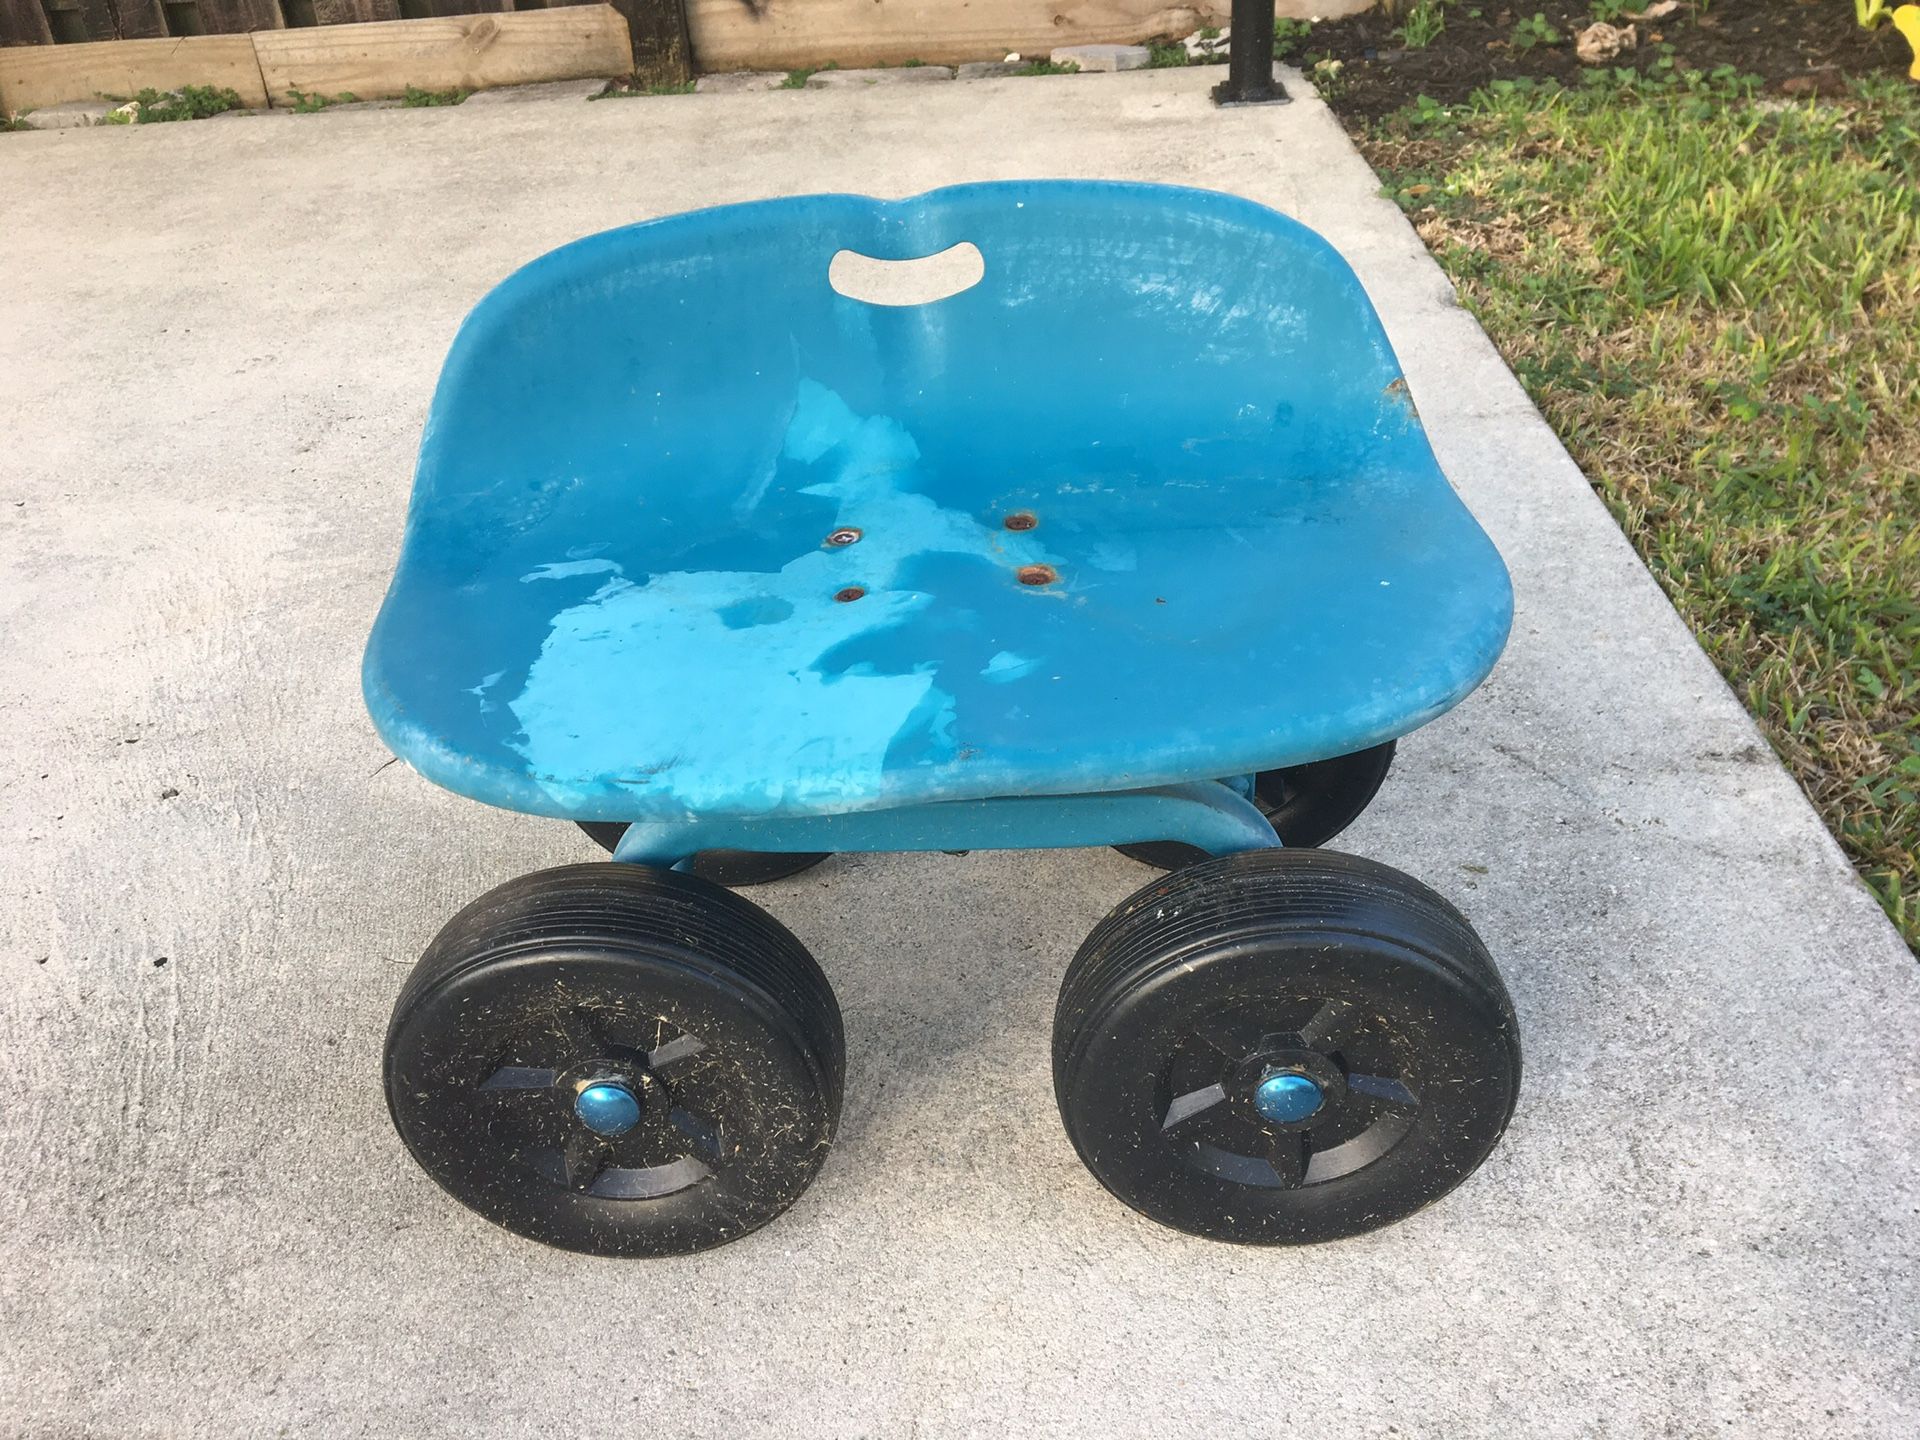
(1534,30)
(417,99)
(797,79)
(1425,21)
(189,102)
(307,103)
(1289,36)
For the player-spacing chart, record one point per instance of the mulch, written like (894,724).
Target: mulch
(1794,46)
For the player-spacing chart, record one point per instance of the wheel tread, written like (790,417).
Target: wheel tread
(615,903)
(1258,892)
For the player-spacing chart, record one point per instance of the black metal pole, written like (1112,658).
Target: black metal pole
(1250,58)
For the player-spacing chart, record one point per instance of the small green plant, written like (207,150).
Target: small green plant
(418,99)
(13,122)
(797,79)
(1166,57)
(1871,14)
(1329,77)
(1288,37)
(912,64)
(1048,67)
(1426,112)
(189,102)
(308,103)
(1536,29)
(1212,32)
(1612,10)
(1425,20)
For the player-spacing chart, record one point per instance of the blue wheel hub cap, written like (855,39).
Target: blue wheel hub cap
(1286,1098)
(607,1107)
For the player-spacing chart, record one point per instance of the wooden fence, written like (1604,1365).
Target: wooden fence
(725,34)
(658,26)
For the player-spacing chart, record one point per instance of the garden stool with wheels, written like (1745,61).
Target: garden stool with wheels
(1014,515)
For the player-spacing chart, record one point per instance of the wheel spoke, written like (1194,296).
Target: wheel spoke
(1232,1038)
(707,1139)
(584,1157)
(1288,1152)
(1384,1088)
(1326,1022)
(681,1047)
(520,1077)
(645,1181)
(1194,1102)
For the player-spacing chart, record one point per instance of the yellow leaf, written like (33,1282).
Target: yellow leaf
(1907,21)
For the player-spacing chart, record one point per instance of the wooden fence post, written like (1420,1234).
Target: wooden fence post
(662,52)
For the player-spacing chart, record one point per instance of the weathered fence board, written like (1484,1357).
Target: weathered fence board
(354,12)
(779,34)
(23,22)
(657,28)
(782,34)
(131,20)
(223,17)
(442,9)
(465,52)
(97,16)
(32,76)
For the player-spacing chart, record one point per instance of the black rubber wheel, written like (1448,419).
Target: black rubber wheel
(1308,804)
(617,1060)
(1284,1047)
(723,867)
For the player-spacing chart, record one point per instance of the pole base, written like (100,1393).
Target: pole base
(1226,93)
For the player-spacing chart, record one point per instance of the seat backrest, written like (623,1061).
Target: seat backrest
(1119,330)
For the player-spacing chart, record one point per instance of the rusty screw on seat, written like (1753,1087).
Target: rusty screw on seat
(846,535)
(852,592)
(1021,520)
(1038,574)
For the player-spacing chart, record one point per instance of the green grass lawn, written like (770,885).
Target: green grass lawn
(1715,299)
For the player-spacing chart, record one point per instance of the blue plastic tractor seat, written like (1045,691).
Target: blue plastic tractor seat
(1126,533)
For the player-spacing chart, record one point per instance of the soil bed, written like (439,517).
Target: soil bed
(1792,45)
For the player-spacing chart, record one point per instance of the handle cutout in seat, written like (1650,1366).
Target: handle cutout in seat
(907,282)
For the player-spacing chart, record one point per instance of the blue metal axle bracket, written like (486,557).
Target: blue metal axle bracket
(1210,814)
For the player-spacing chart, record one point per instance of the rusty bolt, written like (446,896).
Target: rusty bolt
(852,592)
(1021,520)
(1038,575)
(846,535)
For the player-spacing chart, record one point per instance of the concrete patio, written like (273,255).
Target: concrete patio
(217,344)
